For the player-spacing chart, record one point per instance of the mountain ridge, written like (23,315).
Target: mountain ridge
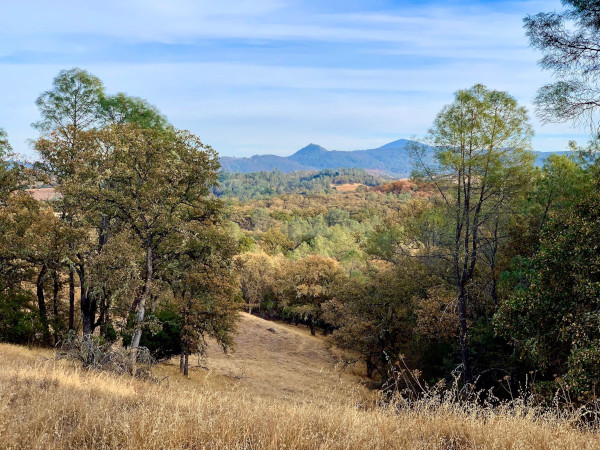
(391,159)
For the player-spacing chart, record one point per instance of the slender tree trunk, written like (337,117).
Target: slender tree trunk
(464,347)
(186,364)
(370,368)
(153,303)
(42,303)
(55,292)
(71,299)
(139,318)
(494,288)
(181,362)
(312,326)
(495,244)
(102,234)
(88,306)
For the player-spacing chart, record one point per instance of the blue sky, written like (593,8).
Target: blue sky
(271,76)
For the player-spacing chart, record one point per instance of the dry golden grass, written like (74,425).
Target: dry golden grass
(53,404)
(347,187)
(280,361)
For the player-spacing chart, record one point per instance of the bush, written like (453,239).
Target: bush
(94,353)
(161,335)
(19,320)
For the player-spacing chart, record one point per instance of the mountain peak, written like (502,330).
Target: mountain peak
(392,158)
(400,143)
(311,148)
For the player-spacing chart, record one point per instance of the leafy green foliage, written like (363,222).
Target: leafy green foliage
(19,320)
(72,105)
(375,316)
(554,317)
(121,109)
(161,334)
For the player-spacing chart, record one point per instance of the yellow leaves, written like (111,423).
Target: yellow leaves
(437,314)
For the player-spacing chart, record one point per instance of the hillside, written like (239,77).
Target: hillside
(279,390)
(391,159)
(273,359)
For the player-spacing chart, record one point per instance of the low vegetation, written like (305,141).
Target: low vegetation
(46,403)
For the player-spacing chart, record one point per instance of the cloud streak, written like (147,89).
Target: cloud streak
(269,76)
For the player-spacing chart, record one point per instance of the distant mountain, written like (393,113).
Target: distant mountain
(391,159)
(258,163)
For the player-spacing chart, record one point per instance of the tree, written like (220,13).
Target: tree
(273,241)
(73,104)
(206,289)
(553,314)
(114,278)
(570,42)
(33,243)
(257,277)
(307,283)
(64,155)
(76,104)
(121,109)
(374,315)
(69,108)
(152,182)
(4,144)
(481,164)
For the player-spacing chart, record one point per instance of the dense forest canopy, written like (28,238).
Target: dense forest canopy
(246,186)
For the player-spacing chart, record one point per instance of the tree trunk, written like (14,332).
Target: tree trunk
(102,234)
(55,292)
(104,315)
(181,362)
(370,368)
(42,303)
(495,244)
(88,306)
(71,299)
(312,326)
(139,318)
(186,364)
(464,348)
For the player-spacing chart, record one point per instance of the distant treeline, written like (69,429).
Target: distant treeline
(246,186)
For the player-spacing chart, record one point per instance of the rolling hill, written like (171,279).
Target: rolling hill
(391,159)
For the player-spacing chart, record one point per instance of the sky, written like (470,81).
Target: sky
(271,76)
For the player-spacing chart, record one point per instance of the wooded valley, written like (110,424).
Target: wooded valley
(470,288)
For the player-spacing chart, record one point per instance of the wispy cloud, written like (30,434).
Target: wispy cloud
(268,76)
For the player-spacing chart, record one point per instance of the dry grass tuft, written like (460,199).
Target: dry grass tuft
(45,403)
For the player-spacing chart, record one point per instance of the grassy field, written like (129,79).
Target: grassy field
(347,187)
(279,390)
